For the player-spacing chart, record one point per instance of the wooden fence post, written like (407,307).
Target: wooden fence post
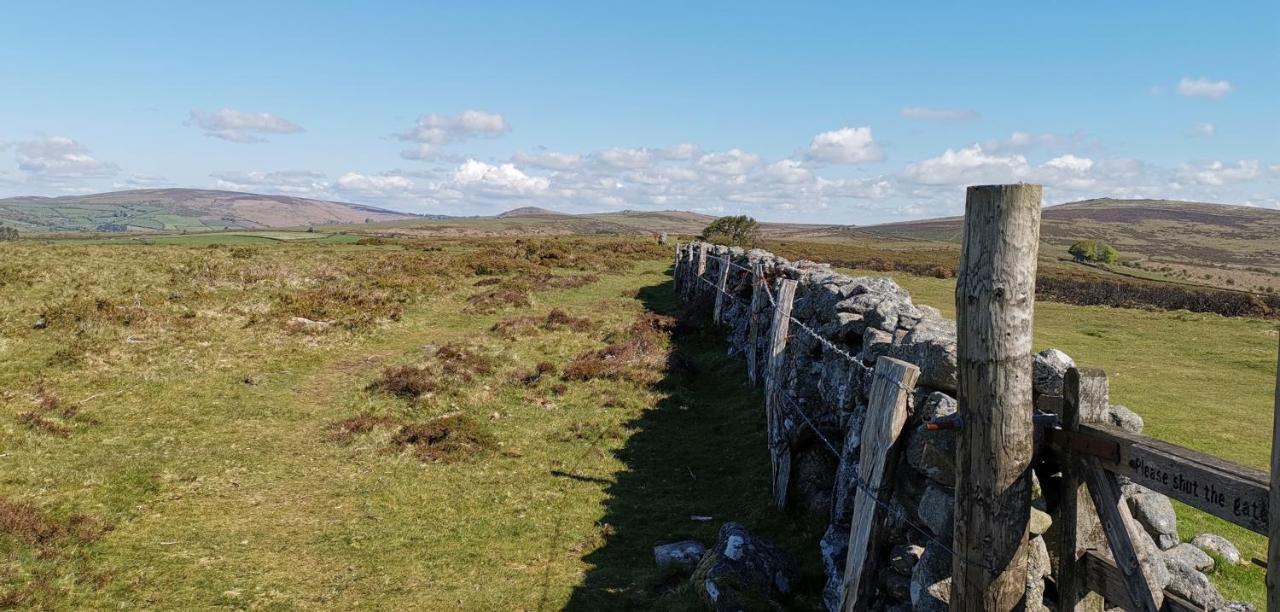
(1077,525)
(779,446)
(758,299)
(995,300)
(886,413)
(1273,504)
(722,284)
(700,269)
(1087,391)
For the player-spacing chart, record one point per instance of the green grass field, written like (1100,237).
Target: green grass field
(170,439)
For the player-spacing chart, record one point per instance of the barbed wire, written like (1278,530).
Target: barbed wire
(897,511)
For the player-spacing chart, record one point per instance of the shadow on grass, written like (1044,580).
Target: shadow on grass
(700,452)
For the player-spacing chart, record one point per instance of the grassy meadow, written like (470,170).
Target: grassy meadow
(442,424)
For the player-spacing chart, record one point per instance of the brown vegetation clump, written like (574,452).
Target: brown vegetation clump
(485,282)
(639,356)
(572,281)
(346,430)
(531,377)
(488,302)
(406,381)
(444,440)
(464,361)
(26,523)
(349,306)
(553,321)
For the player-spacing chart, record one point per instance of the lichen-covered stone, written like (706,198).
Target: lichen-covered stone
(682,555)
(1213,543)
(931,346)
(937,510)
(834,548)
(1190,555)
(1155,512)
(1122,417)
(743,570)
(1192,585)
(1048,370)
(931,580)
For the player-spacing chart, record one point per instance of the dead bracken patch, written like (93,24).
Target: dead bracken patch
(406,381)
(26,523)
(464,361)
(544,369)
(444,440)
(344,431)
(555,320)
(33,419)
(493,300)
(485,282)
(638,356)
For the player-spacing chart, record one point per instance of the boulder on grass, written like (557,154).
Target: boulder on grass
(1048,370)
(1216,544)
(744,571)
(681,555)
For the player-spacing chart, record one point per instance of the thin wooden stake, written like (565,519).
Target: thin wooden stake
(722,285)
(753,323)
(1087,391)
(1076,522)
(1273,525)
(995,299)
(886,413)
(699,270)
(779,446)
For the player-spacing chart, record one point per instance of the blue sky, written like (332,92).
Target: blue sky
(821,112)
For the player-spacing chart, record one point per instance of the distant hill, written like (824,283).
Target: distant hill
(527,211)
(170,210)
(1215,244)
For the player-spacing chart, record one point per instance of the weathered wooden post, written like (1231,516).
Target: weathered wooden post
(722,284)
(1087,391)
(779,446)
(1077,525)
(758,299)
(995,300)
(700,269)
(1273,505)
(886,414)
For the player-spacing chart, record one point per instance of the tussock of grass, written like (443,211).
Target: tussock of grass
(529,378)
(350,307)
(554,320)
(406,381)
(444,440)
(639,356)
(464,362)
(346,430)
(28,524)
(500,298)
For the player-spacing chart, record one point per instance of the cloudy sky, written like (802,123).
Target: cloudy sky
(824,113)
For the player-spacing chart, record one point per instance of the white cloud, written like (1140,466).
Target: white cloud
(59,157)
(374,185)
(1205,130)
(937,114)
(789,171)
(294,182)
(549,160)
(1021,141)
(626,158)
(733,162)
(970,165)
(1203,87)
(1216,173)
(505,177)
(433,131)
(846,146)
(236,126)
(1070,163)
(680,151)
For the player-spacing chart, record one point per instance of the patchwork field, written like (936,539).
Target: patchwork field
(441,423)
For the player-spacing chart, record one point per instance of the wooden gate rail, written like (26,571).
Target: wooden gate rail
(1103,577)
(1229,491)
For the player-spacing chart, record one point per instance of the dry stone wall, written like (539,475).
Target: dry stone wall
(864,318)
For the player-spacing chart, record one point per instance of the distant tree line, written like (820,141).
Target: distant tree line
(1094,251)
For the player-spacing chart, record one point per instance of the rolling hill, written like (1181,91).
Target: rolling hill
(1212,244)
(170,210)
